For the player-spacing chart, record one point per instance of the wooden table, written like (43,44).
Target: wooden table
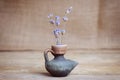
(29,65)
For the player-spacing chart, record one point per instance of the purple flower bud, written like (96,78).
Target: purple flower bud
(52,21)
(57,32)
(57,22)
(65,18)
(69,10)
(57,17)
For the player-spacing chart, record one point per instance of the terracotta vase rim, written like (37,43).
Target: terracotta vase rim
(59,49)
(61,45)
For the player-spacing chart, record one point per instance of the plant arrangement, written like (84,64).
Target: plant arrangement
(56,22)
(59,66)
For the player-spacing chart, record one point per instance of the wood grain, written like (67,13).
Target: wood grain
(90,62)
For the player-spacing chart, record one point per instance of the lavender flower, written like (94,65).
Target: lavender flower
(57,17)
(52,21)
(65,18)
(57,23)
(55,20)
(69,10)
(57,33)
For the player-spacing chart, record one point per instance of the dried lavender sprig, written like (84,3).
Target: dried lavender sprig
(58,35)
(69,10)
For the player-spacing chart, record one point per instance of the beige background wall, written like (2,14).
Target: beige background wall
(93,24)
(109,24)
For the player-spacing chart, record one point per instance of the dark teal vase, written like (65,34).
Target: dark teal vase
(59,66)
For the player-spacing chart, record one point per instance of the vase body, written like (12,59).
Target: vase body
(59,66)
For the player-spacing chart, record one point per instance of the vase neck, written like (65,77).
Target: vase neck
(59,57)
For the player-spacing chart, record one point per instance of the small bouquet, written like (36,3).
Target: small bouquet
(56,21)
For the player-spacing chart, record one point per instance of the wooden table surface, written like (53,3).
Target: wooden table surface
(93,65)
